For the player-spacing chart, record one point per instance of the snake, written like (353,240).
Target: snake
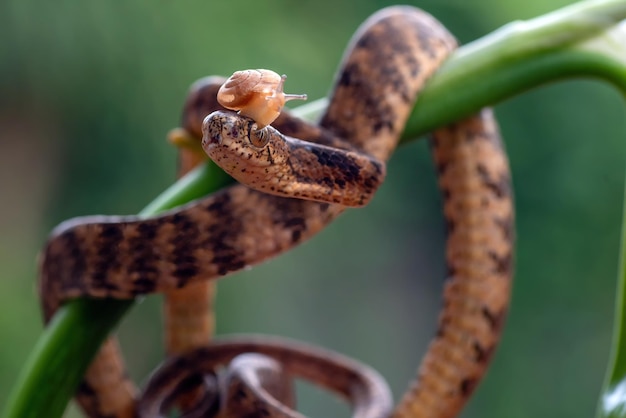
(327,167)
(252,371)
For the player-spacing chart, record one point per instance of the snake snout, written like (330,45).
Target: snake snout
(212,130)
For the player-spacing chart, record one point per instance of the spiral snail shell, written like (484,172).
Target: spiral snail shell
(257,94)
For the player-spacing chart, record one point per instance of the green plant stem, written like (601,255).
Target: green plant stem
(58,360)
(613,398)
(77,330)
(514,59)
(612,402)
(501,65)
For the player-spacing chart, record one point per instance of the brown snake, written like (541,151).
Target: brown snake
(388,61)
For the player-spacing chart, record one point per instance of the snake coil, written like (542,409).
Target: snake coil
(328,166)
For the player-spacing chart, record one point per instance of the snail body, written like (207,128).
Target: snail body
(257,94)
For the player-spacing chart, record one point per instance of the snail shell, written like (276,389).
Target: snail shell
(257,94)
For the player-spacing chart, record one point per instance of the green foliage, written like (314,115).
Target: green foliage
(90,87)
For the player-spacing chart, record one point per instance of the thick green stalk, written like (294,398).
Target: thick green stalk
(570,42)
(612,402)
(613,398)
(501,65)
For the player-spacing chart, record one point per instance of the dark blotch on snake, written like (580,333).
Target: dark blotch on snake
(467,386)
(483,354)
(503,263)
(75,276)
(495,320)
(500,187)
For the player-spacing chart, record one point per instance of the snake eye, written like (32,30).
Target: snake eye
(258,137)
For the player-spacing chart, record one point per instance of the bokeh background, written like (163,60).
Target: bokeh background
(88,91)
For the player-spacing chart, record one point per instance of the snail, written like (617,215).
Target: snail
(257,94)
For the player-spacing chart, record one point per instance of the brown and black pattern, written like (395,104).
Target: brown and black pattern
(363,387)
(291,167)
(478,207)
(387,63)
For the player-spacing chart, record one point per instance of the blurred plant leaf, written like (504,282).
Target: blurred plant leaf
(566,43)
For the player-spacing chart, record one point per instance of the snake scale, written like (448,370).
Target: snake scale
(387,62)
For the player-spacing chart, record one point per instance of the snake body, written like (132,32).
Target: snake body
(346,377)
(388,61)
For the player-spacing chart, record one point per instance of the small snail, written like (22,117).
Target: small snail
(257,94)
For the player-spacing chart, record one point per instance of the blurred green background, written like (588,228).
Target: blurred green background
(88,91)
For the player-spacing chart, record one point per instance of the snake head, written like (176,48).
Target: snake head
(225,128)
(239,147)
